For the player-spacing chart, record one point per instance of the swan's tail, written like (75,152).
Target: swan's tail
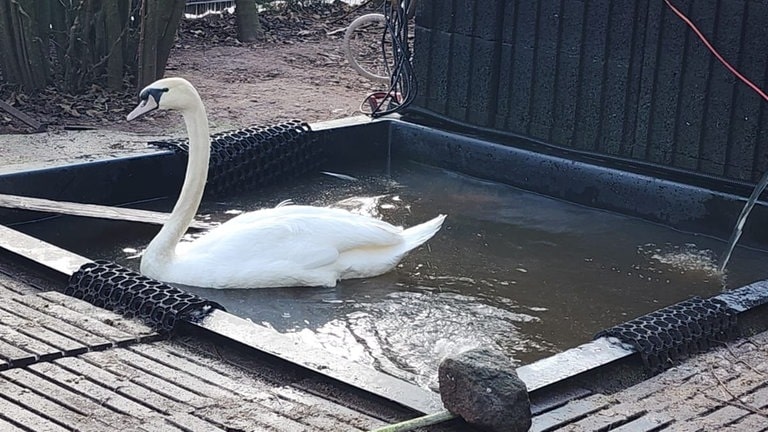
(416,235)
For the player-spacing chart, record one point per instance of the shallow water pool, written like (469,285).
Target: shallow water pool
(511,269)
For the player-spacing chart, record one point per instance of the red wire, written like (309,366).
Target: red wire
(714,51)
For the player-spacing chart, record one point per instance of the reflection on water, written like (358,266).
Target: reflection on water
(510,269)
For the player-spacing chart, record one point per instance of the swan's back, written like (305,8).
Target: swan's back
(297,245)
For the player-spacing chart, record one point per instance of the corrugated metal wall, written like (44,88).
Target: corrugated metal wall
(619,77)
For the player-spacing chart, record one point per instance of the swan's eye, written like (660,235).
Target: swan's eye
(154,92)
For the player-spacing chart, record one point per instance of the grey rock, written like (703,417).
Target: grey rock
(482,387)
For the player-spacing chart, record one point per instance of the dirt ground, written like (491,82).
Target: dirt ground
(298,72)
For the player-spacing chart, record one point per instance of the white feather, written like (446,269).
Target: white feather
(289,245)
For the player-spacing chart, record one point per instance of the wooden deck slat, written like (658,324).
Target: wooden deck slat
(66,397)
(751,423)
(607,419)
(10,352)
(98,322)
(96,364)
(190,422)
(41,350)
(161,424)
(16,414)
(33,330)
(105,368)
(68,418)
(11,287)
(90,340)
(244,417)
(88,388)
(123,385)
(340,413)
(569,413)
(9,427)
(281,411)
(553,400)
(205,373)
(673,376)
(283,401)
(130,326)
(175,375)
(647,423)
(731,414)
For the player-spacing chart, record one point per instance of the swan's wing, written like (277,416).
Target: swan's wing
(333,227)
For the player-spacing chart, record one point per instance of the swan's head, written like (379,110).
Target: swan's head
(167,93)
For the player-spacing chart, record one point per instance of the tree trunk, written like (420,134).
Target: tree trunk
(114,31)
(23,59)
(147,46)
(9,64)
(171,16)
(247,18)
(86,41)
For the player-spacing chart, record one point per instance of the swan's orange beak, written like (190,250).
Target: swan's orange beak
(145,106)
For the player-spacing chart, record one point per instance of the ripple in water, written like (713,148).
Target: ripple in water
(407,334)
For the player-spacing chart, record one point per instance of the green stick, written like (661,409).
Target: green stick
(409,425)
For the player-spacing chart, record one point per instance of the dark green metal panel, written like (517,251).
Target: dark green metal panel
(618,78)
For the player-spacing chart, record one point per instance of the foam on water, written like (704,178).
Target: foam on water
(684,258)
(407,334)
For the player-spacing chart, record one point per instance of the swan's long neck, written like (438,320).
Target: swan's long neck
(161,249)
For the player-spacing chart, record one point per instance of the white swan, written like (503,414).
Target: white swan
(292,245)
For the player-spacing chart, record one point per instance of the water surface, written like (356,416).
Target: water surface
(510,269)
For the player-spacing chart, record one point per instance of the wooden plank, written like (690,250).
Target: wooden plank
(227,408)
(659,383)
(38,348)
(162,424)
(70,399)
(8,427)
(280,404)
(554,399)
(123,384)
(36,125)
(77,383)
(170,354)
(244,417)
(171,374)
(751,423)
(95,323)
(731,414)
(607,419)
(90,210)
(138,330)
(309,403)
(189,422)
(10,353)
(646,423)
(84,337)
(120,396)
(10,286)
(569,413)
(36,331)
(27,419)
(32,248)
(95,364)
(44,407)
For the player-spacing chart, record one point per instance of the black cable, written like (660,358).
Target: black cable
(403,87)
